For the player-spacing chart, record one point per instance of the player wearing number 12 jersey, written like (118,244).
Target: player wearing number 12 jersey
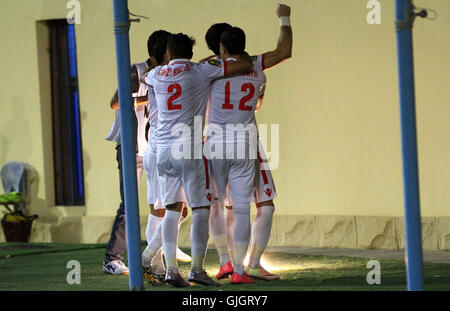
(265,188)
(232,103)
(181,91)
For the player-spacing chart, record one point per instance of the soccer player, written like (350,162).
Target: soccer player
(181,90)
(232,102)
(221,228)
(157,44)
(265,188)
(113,262)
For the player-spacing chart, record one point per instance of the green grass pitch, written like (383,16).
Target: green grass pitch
(42,267)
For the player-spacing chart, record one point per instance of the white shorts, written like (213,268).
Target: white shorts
(153,188)
(238,175)
(264,187)
(189,178)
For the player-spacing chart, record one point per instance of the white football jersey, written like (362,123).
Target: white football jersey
(141,111)
(181,89)
(232,101)
(153,122)
(141,115)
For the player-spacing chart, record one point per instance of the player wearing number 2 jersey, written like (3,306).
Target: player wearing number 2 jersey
(157,48)
(181,91)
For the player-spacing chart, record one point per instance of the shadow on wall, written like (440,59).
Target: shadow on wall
(35,205)
(69,230)
(3,145)
(55,223)
(15,126)
(12,149)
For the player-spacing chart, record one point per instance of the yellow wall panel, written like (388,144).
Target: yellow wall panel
(335,100)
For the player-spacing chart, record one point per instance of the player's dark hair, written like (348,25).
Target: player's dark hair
(180,45)
(212,36)
(160,49)
(234,40)
(156,44)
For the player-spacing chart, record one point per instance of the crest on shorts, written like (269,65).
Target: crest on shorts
(254,59)
(215,62)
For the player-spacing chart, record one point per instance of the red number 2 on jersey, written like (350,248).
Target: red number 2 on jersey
(246,87)
(246,98)
(171,88)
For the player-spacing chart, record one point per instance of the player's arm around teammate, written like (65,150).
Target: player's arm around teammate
(264,202)
(265,188)
(114,103)
(181,90)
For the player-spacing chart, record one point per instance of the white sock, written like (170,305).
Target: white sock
(170,238)
(153,222)
(218,230)
(229,221)
(157,259)
(260,233)
(153,246)
(241,235)
(199,237)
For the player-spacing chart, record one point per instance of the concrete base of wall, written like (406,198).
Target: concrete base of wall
(359,232)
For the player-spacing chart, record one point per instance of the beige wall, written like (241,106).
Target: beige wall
(336,100)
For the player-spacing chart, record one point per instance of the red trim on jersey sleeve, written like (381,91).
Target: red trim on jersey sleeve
(224,67)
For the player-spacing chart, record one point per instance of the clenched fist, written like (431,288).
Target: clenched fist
(283,10)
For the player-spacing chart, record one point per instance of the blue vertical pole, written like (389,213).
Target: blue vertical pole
(128,142)
(414,265)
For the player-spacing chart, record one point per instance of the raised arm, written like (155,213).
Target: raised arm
(114,103)
(144,74)
(284,46)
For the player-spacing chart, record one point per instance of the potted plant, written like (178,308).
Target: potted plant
(16,226)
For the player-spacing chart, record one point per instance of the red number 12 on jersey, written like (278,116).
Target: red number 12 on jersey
(244,88)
